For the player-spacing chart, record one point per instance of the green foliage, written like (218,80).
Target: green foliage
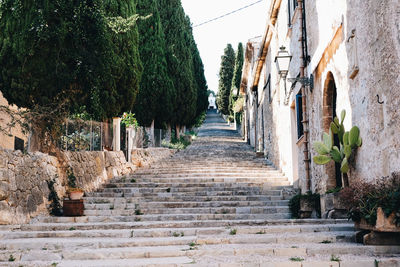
(126,67)
(128,118)
(296,259)
(333,190)
(55,208)
(363,199)
(178,38)
(123,25)
(176,143)
(155,100)
(71,178)
(225,79)
(11,258)
(233,232)
(334,258)
(54,52)
(349,141)
(237,77)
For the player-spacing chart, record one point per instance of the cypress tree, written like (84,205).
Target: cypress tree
(237,76)
(154,101)
(199,78)
(53,52)
(127,68)
(179,60)
(225,79)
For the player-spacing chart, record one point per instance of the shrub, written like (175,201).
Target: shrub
(363,199)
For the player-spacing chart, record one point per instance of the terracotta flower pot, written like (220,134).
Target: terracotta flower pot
(75,195)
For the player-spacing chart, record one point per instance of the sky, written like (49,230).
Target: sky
(212,38)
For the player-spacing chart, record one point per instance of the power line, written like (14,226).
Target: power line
(227,14)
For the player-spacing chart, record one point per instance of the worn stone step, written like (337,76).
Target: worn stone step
(239,174)
(168,217)
(160,262)
(266,180)
(202,186)
(57,243)
(112,211)
(95,203)
(115,192)
(81,223)
(111,198)
(128,232)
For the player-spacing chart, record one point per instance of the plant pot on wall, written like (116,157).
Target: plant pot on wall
(75,194)
(384,232)
(332,206)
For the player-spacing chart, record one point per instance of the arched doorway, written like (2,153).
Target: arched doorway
(329,112)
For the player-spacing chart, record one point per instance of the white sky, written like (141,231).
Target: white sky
(213,37)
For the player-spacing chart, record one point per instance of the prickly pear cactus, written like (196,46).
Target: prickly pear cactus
(349,141)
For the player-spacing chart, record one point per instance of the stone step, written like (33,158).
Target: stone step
(266,181)
(113,211)
(196,190)
(205,170)
(129,192)
(111,197)
(167,217)
(81,223)
(172,232)
(95,203)
(159,262)
(238,174)
(57,243)
(202,186)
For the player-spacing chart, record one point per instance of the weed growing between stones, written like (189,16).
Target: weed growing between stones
(262,232)
(326,242)
(55,208)
(233,232)
(296,259)
(133,180)
(138,212)
(334,258)
(11,258)
(72,229)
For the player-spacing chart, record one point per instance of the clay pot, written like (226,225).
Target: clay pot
(75,195)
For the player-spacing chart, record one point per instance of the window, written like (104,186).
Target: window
(292,4)
(299,115)
(18,143)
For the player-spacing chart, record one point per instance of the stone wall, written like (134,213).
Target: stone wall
(23,177)
(23,184)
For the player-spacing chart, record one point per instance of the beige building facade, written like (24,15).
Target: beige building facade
(10,137)
(351,50)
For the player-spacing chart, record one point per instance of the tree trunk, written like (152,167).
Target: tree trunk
(177,131)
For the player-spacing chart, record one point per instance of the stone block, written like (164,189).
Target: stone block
(320,264)
(358,263)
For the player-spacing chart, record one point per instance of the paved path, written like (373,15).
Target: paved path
(213,204)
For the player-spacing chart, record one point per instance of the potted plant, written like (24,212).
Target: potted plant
(73,191)
(375,209)
(332,206)
(305,206)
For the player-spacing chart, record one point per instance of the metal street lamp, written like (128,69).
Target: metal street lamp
(282,61)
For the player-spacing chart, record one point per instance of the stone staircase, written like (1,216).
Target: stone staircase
(213,204)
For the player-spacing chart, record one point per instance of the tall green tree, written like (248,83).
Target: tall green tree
(53,52)
(126,67)
(237,77)
(198,77)
(179,60)
(225,79)
(156,94)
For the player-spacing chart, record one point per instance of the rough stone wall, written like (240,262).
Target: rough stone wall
(23,184)
(94,168)
(23,177)
(145,157)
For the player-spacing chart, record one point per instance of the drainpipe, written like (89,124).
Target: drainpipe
(304,101)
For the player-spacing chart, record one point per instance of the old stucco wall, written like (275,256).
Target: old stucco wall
(23,187)
(375,50)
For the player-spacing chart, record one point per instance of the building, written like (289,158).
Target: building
(10,137)
(345,55)
(211,102)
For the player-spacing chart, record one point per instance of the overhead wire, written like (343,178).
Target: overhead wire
(227,14)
